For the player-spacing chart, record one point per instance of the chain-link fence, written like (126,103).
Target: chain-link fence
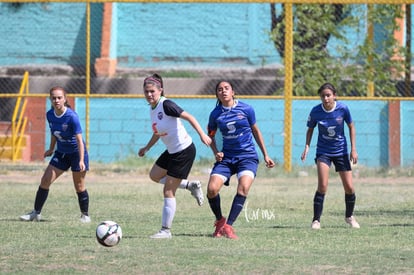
(275,54)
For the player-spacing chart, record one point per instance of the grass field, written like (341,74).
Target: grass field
(274,227)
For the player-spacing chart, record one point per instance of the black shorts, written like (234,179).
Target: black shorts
(342,163)
(65,161)
(178,165)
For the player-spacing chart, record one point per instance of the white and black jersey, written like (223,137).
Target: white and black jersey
(166,123)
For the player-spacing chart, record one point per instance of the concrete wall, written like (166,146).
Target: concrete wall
(146,34)
(407,133)
(47,33)
(119,127)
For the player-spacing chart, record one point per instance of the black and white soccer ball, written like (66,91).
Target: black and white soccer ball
(108,233)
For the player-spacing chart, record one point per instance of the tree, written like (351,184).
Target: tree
(351,69)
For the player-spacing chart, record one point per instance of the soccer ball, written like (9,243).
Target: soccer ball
(108,233)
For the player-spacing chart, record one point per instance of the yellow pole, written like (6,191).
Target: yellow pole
(370,88)
(287,154)
(87,68)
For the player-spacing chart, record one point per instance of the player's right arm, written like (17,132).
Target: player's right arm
(52,145)
(217,155)
(151,142)
(212,129)
(309,134)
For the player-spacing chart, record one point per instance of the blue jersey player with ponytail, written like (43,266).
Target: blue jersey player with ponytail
(66,136)
(330,117)
(236,122)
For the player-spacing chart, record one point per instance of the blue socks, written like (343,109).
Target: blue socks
(318,206)
(215,206)
(83,199)
(40,200)
(41,196)
(349,204)
(236,208)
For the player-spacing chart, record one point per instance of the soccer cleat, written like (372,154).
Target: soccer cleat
(196,191)
(316,224)
(162,234)
(352,222)
(85,218)
(228,232)
(219,226)
(32,216)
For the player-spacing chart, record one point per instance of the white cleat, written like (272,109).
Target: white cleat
(352,222)
(32,216)
(196,191)
(316,225)
(162,234)
(85,219)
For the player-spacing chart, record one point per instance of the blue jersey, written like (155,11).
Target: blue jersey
(65,128)
(331,138)
(235,126)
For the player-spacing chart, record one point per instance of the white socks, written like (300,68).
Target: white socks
(168,212)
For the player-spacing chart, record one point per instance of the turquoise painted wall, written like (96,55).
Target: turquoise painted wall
(119,127)
(407,133)
(150,34)
(194,34)
(47,33)
(145,35)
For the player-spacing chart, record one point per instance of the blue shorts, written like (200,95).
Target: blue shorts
(178,165)
(64,161)
(230,166)
(342,163)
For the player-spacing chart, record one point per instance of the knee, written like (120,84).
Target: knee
(349,187)
(322,187)
(212,192)
(169,192)
(154,177)
(45,182)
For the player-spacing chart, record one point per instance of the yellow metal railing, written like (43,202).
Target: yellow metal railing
(19,121)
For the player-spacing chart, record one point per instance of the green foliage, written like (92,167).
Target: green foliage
(353,67)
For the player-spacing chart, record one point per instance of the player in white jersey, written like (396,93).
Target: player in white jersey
(173,166)
(330,117)
(236,122)
(66,135)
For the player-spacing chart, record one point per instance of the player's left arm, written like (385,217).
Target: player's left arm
(352,136)
(259,140)
(203,136)
(81,150)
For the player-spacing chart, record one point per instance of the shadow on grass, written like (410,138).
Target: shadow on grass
(287,227)
(381,216)
(20,221)
(386,212)
(192,235)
